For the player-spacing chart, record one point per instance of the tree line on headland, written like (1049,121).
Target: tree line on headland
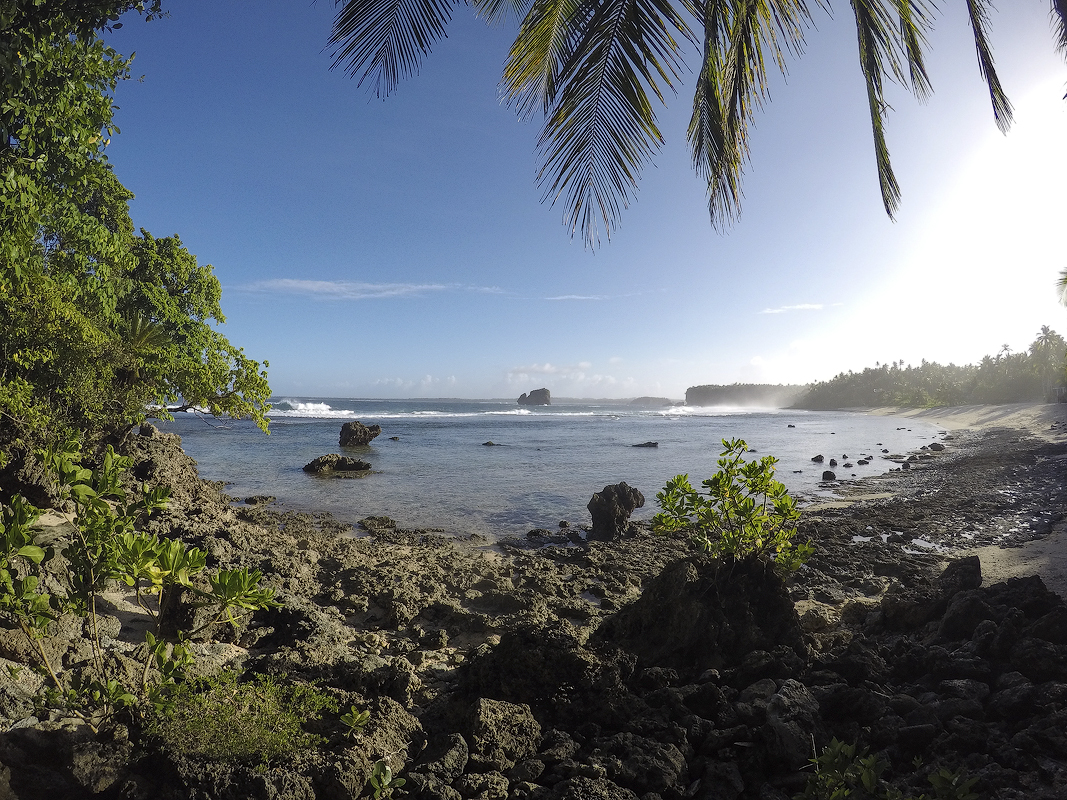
(1033,375)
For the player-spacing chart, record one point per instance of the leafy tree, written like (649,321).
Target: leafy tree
(1007,378)
(98,326)
(593,67)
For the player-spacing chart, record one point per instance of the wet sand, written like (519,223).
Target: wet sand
(1045,557)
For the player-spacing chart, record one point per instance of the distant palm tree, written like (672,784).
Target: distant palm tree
(591,66)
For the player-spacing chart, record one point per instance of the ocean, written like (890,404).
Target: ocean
(437,472)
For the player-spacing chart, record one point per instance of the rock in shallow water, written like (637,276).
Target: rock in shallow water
(354,434)
(333,463)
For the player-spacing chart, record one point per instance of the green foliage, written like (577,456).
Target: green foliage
(355,720)
(844,771)
(383,782)
(1005,378)
(746,513)
(96,322)
(228,719)
(106,548)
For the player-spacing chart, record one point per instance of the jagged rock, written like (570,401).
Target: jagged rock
(335,463)
(354,434)
(817,459)
(501,734)
(937,447)
(611,508)
(646,444)
(538,397)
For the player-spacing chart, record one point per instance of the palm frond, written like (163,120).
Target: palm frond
(979,14)
(602,127)
(732,85)
(877,61)
(1061,286)
(915,21)
(546,41)
(1059,24)
(495,12)
(384,41)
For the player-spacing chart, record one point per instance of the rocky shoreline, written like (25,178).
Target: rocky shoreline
(555,667)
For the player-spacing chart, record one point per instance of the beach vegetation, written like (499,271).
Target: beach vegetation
(383,782)
(100,326)
(842,770)
(1031,375)
(243,718)
(106,548)
(743,511)
(596,72)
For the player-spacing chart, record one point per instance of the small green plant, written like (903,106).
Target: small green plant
(383,782)
(949,785)
(355,720)
(743,512)
(844,771)
(229,719)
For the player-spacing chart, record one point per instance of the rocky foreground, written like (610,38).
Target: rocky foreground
(563,669)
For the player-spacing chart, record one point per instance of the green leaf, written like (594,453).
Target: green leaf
(32,552)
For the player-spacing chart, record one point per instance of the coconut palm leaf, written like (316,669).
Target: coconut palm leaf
(878,60)
(979,14)
(1059,24)
(545,43)
(495,12)
(732,85)
(384,41)
(916,19)
(602,127)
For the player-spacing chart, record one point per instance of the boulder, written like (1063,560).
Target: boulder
(501,734)
(937,447)
(646,444)
(828,475)
(611,508)
(538,397)
(698,615)
(335,463)
(356,433)
(817,459)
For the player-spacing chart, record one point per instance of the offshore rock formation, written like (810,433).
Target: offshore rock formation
(354,434)
(538,397)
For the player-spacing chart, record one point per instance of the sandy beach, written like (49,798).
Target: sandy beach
(1046,557)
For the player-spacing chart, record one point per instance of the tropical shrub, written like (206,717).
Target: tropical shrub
(843,770)
(106,548)
(742,513)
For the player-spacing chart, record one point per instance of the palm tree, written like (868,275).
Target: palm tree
(591,67)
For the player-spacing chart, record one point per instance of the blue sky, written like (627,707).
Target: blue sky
(400,248)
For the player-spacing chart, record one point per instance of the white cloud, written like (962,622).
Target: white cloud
(798,307)
(355,290)
(578,297)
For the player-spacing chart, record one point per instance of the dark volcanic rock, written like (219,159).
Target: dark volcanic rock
(701,613)
(332,463)
(538,397)
(611,508)
(829,475)
(646,444)
(354,434)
